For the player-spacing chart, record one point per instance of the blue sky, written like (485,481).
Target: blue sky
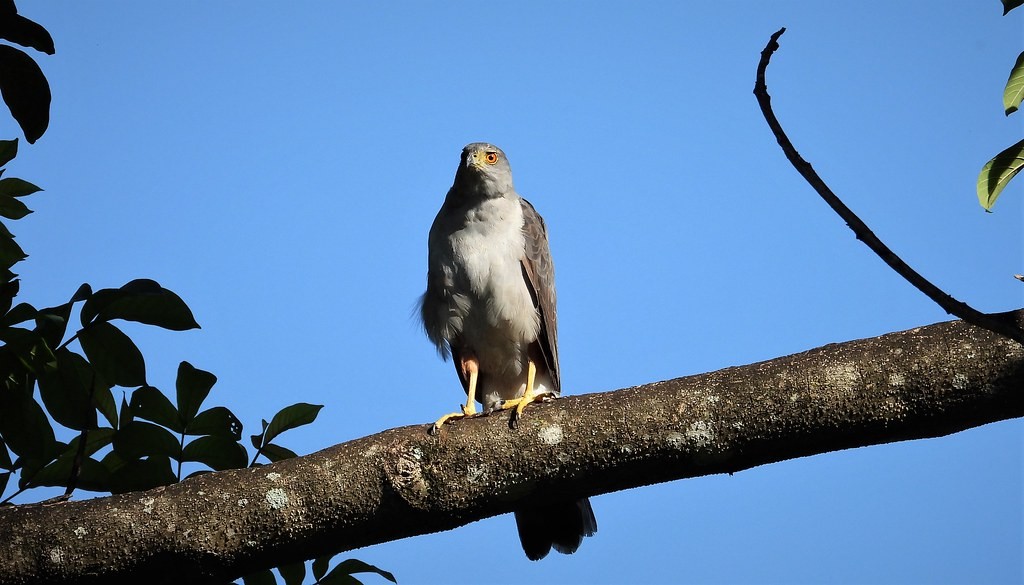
(278,165)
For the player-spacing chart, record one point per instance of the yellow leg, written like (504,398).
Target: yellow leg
(528,397)
(474,372)
(470,367)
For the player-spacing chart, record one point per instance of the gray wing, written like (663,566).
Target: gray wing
(435,302)
(539,271)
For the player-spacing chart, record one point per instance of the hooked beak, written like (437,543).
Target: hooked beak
(473,161)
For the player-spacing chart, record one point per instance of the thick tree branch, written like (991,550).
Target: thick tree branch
(925,382)
(860,229)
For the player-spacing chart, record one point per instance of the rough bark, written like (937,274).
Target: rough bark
(925,382)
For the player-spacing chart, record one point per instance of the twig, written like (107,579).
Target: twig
(860,229)
(76,464)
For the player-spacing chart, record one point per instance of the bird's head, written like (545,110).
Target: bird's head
(485,169)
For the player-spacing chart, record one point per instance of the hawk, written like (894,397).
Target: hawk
(490,305)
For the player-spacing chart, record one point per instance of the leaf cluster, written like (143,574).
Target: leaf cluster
(22,84)
(49,391)
(997,172)
(143,441)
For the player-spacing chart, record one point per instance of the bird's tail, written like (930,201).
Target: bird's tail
(561,525)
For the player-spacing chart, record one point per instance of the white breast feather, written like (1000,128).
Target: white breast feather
(489,249)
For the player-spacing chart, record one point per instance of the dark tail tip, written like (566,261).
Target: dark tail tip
(561,525)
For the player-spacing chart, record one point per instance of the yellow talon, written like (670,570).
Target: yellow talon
(470,408)
(528,397)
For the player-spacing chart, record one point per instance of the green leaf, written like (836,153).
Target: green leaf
(142,439)
(292,574)
(150,404)
(23,338)
(95,440)
(18,29)
(336,577)
(4,478)
(84,292)
(12,208)
(320,566)
(8,150)
(113,462)
(25,427)
(351,566)
(1014,90)
(19,314)
(22,349)
(10,252)
(217,421)
(103,400)
(5,458)
(126,415)
(276,453)
(65,388)
(113,354)
(12,187)
(141,474)
(143,301)
(32,466)
(92,475)
(193,386)
(291,417)
(997,173)
(265,577)
(217,453)
(9,287)
(257,440)
(52,322)
(13,367)
(25,91)
(52,326)
(1009,5)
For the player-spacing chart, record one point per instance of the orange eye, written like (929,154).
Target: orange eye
(491,157)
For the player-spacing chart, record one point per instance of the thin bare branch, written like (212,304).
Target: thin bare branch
(951,305)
